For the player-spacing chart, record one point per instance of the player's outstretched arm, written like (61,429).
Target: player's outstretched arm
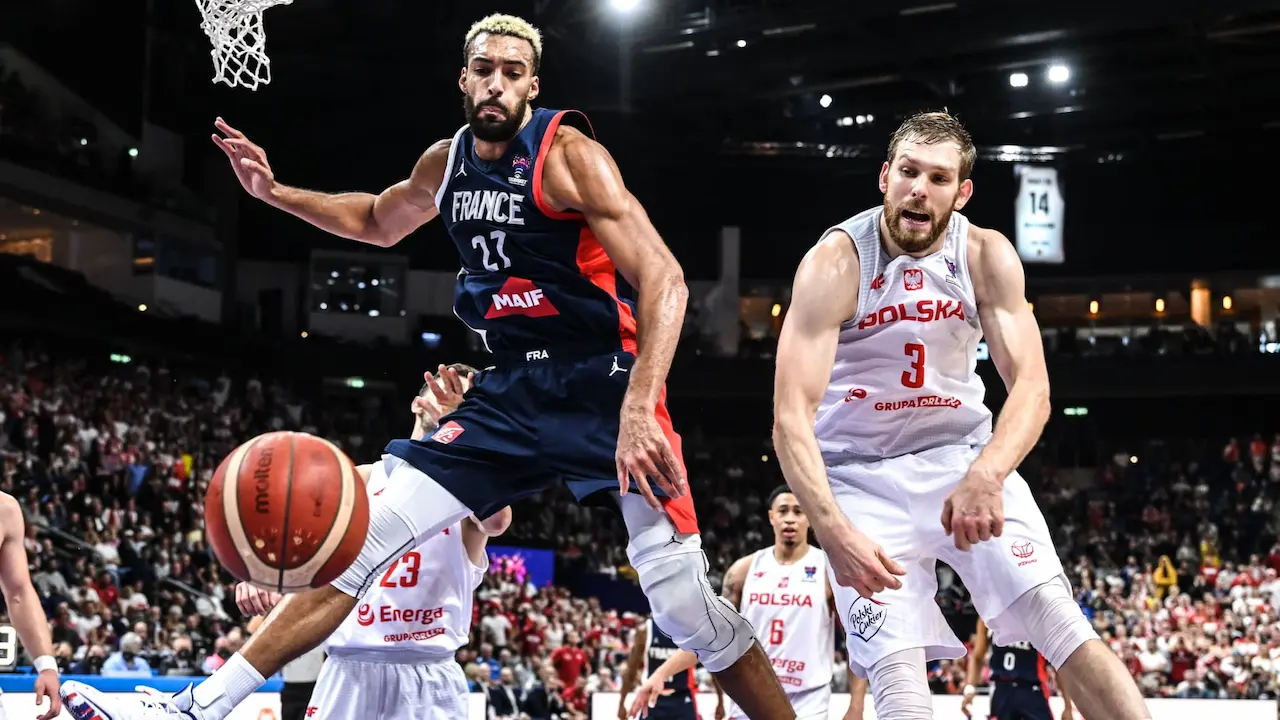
(631,672)
(383,219)
(23,603)
(581,175)
(1017,349)
(824,295)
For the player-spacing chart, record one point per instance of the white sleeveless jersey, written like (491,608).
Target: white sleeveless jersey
(787,606)
(905,377)
(419,609)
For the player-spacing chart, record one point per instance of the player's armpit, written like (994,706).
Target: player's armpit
(1017,349)
(409,204)
(824,295)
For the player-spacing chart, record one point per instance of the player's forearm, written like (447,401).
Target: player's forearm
(348,215)
(802,465)
(679,662)
(29,620)
(857,692)
(1018,429)
(659,318)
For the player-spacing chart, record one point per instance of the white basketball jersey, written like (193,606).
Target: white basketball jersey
(419,609)
(905,377)
(787,606)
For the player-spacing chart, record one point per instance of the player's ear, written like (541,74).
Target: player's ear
(884,177)
(462,81)
(966,192)
(533,88)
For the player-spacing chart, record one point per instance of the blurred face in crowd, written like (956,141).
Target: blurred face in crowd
(922,187)
(506,677)
(790,526)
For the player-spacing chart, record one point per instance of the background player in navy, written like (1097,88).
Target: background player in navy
(678,699)
(541,219)
(1019,680)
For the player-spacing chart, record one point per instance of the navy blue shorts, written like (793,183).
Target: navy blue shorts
(1018,701)
(530,424)
(674,707)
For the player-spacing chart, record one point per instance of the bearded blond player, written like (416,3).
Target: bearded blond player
(882,433)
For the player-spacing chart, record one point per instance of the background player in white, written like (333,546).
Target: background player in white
(784,592)
(23,606)
(901,468)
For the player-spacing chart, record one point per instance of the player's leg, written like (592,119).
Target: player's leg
(1018,587)
(673,575)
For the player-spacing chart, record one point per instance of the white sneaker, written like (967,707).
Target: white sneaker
(87,703)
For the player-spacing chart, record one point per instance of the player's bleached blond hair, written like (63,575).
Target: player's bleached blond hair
(509,25)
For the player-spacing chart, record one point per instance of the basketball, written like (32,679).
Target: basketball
(286,511)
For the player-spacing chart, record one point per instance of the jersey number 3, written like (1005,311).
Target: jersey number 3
(407,568)
(914,377)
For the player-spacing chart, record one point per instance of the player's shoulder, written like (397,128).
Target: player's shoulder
(433,161)
(10,511)
(990,255)
(834,250)
(575,149)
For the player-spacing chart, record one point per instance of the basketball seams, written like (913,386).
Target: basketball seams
(284,521)
(257,570)
(303,576)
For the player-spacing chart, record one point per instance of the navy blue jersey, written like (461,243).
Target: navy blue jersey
(532,277)
(659,649)
(1018,663)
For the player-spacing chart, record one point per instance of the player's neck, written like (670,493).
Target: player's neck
(786,555)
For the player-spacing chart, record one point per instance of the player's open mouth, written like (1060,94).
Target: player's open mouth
(788,532)
(915,218)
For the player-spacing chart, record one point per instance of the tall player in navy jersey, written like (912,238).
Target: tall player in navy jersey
(543,224)
(1019,680)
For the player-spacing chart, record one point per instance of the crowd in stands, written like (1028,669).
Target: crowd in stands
(1173,550)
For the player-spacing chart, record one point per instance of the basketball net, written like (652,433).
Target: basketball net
(239,40)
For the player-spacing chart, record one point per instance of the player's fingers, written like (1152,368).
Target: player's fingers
(642,483)
(623,483)
(455,381)
(946,516)
(889,563)
(973,531)
(984,529)
(255,166)
(997,523)
(224,127)
(223,146)
(673,469)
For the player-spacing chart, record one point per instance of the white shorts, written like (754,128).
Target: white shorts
(898,503)
(364,690)
(811,704)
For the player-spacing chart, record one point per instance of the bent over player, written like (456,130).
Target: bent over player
(881,431)
(784,591)
(543,225)
(393,658)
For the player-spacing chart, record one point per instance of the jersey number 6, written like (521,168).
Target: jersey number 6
(775,632)
(914,378)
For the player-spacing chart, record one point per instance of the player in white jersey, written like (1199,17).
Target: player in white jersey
(901,468)
(784,592)
(23,606)
(393,657)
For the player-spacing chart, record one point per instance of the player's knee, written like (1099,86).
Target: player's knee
(1047,617)
(687,609)
(899,687)
(389,537)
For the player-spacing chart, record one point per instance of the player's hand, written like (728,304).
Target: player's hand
(247,159)
(974,512)
(644,452)
(47,684)
(447,387)
(967,702)
(255,601)
(1067,714)
(719,713)
(646,698)
(857,561)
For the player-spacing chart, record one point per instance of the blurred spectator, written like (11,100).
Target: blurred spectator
(128,660)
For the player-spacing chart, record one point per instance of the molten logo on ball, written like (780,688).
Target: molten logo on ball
(262,481)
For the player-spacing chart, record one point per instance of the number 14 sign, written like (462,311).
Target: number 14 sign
(1038,213)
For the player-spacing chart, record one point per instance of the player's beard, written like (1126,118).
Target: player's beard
(914,241)
(490,130)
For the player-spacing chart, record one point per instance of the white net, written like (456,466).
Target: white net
(239,40)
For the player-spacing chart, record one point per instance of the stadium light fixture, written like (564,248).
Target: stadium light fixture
(1159,305)
(1093,307)
(133,152)
(1059,74)
(1018,80)
(142,307)
(742,43)
(1226,302)
(825,101)
(776,310)
(624,6)
(84,141)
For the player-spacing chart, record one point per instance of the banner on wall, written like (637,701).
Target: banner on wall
(1038,214)
(539,566)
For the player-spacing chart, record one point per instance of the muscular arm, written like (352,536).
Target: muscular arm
(15,581)
(581,175)
(824,295)
(1013,337)
(635,661)
(383,219)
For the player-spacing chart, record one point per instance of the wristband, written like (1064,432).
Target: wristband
(45,662)
(970,690)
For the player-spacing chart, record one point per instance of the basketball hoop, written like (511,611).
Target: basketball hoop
(239,40)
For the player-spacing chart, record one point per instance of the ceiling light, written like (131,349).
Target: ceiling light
(1018,80)
(1059,73)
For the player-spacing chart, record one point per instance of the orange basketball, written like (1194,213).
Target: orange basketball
(286,511)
